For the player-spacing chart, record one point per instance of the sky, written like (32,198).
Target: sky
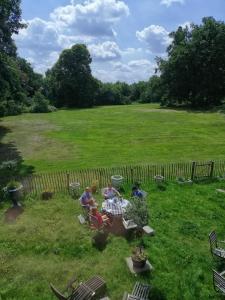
(122,36)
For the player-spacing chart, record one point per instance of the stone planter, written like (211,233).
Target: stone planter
(117,181)
(159,179)
(74,188)
(15,195)
(138,263)
(185,182)
(99,239)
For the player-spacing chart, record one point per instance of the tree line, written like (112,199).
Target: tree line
(193,73)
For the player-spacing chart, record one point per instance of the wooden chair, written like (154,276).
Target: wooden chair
(215,246)
(140,292)
(219,281)
(84,291)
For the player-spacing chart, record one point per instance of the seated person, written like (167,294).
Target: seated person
(110,192)
(136,192)
(97,219)
(86,198)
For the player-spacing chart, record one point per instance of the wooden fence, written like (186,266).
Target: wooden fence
(59,181)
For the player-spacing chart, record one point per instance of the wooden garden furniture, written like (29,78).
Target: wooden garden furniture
(140,292)
(91,289)
(215,245)
(219,281)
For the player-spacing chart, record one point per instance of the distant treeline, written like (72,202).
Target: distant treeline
(193,73)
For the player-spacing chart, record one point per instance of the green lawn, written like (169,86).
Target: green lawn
(47,244)
(113,136)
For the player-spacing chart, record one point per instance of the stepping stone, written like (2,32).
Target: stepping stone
(81,219)
(220,191)
(133,270)
(105,298)
(148,230)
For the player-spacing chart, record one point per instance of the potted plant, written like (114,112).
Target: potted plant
(139,257)
(14,189)
(184,181)
(46,195)
(137,211)
(159,179)
(99,238)
(94,186)
(74,189)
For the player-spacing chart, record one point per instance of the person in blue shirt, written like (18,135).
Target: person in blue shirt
(87,199)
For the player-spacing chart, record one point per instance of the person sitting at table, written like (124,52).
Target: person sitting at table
(97,219)
(137,192)
(110,192)
(86,199)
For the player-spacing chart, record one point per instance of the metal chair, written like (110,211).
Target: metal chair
(90,289)
(215,245)
(219,281)
(140,292)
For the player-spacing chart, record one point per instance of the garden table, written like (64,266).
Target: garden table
(115,206)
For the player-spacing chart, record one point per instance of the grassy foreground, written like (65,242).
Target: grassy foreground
(47,244)
(113,136)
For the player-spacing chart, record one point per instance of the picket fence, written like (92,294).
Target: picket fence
(59,181)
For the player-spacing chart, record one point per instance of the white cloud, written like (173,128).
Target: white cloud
(156,37)
(93,17)
(133,71)
(170,2)
(106,51)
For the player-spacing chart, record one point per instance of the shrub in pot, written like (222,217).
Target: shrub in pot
(14,189)
(139,257)
(137,211)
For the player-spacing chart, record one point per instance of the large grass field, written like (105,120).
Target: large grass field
(113,136)
(47,244)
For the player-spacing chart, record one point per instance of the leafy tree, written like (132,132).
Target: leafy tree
(113,94)
(70,79)
(194,72)
(10,23)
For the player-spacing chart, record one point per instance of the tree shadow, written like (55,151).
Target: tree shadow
(11,160)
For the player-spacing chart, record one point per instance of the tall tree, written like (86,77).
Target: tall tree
(70,78)
(194,72)
(10,23)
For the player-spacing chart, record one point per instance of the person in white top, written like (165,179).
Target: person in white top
(110,192)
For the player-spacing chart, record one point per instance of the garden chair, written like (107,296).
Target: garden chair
(94,222)
(219,281)
(140,292)
(215,246)
(91,289)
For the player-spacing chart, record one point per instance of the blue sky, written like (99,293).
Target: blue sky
(123,36)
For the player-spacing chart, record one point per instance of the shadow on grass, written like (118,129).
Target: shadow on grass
(9,152)
(156,294)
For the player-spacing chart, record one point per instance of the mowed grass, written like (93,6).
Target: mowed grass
(114,136)
(47,244)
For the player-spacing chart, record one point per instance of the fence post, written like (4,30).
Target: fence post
(68,181)
(162,171)
(132,175)
(193,170)
(212,169)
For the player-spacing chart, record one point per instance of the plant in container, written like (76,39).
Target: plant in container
(46,195)
(94,186)
(139,257)
(184,181)
(137,211)
(14,190)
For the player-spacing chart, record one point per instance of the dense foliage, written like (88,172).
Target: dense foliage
(18,81)
(194,72)
(70,81)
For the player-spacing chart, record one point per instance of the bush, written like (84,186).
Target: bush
(41,104)
(137,211)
